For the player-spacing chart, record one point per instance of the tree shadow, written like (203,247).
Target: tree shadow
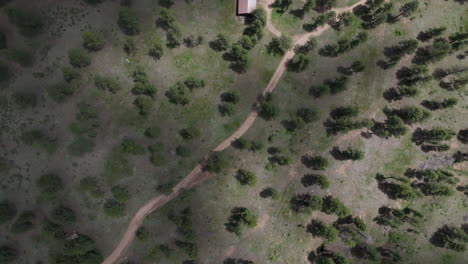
(344,70)
(337,154)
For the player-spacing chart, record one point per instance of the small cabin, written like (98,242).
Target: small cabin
(245,7)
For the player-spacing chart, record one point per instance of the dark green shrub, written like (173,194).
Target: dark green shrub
(221,43)
(142,234)
(24,222)
(315,162)
(240,217)
(189,133)
(156,51)
(120,193)
(50,185)
(81,146)
(38,139)
(29,24)
(4,73)
(268,111)
(128,22)
(320,229)
(304,203)
(93,41)
(7,254)
(106,83)
(157,156)
(144,105)
(450,237)
(70,74)
(142,83)
(183,151)
(231,97)
(63,215)
(25,99)
(114,208)
(94,2)
(60,92)
(226,109)
(216,163)
(315,179)
(153,132)
(279,45)
(21,57)
(178,94)
(246,177)
(270,192)
(7,211)
(79,58)
(130,46)
(193,83)
(53,229)
(332,205)
(3,41)
(90,185)
(129,145)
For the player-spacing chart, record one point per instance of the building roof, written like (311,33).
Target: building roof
(246,6)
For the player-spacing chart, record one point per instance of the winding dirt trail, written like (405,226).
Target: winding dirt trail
(197,175)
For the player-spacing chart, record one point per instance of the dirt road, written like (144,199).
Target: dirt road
(197,175)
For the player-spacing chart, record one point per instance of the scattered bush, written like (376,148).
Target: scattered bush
(50,185)
(23,223)
(240,217)
(231,97)
(60,92)
(63,215)
(93,41)
(7,211)
(153,132)
(183,151)
(156,156)
(70,74)
(80,146)
(29,24)
(114,208)
(8,254)
(246,177)
(142,83)
(79,58)
(304,203)
(268,111)
(106,83)
(142,234)
(279,45)
(156,51)
(348,154)
(320,229)
(216,163)
(189,133)
(315,162)
(332,205)
(178,94)
(129,146)
(315,179)
(25,99)
(221,43)
(128,22)
(120,193)
(450,237)
(270,192)
(90,185)
(144,105)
